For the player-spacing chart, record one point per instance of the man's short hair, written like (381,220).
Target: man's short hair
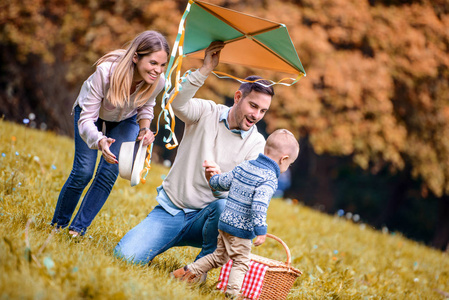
(261,86)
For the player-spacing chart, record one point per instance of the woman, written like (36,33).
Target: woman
(115,105)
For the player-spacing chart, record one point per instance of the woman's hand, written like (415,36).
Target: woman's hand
(147,135)
(103,146)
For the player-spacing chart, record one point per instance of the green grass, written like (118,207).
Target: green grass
(339,259)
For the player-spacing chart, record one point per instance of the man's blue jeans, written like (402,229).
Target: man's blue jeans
(82,172)
(160,231)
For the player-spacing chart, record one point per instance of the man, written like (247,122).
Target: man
(188,211)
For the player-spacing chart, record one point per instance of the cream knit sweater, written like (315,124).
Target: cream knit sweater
(204,138)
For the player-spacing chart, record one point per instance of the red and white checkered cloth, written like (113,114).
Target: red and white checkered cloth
(252,283)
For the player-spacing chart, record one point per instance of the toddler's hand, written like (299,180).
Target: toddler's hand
(211,169)
(260,239)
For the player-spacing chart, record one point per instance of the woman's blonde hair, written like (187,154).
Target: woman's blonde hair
(145,43)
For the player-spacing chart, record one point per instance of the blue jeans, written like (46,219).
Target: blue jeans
(160,231)
(82,172)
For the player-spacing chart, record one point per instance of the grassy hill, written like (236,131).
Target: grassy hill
(339,259)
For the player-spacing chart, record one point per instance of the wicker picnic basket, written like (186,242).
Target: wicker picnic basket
(279,277)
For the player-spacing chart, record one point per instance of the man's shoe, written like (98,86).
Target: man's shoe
(184,274)
(74,234)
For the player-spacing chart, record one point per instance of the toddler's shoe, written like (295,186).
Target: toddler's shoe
(184,274)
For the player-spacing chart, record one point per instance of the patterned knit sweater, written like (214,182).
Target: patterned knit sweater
(251,185)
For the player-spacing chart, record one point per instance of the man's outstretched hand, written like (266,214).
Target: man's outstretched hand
(211,57)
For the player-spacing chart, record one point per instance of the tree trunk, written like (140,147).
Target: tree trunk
(396,199)
(441,237)
(311,178)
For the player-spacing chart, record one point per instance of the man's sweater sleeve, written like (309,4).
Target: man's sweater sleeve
(187,108)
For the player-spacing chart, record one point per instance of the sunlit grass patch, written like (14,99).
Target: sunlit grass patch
(339,259)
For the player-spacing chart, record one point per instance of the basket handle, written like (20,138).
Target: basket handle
(287,250)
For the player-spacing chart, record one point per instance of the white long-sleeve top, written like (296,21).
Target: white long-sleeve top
(94,105)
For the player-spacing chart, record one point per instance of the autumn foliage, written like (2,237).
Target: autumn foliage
(377,85)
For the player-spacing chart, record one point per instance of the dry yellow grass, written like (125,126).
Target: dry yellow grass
(339,259)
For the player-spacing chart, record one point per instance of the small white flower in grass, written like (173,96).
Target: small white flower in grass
(50,264)
(32,116)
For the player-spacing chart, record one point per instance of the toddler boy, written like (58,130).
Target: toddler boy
(251,186)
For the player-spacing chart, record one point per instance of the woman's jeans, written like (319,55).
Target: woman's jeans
(160,231)
(82,171)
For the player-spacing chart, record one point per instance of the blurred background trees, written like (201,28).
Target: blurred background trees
(372,115)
